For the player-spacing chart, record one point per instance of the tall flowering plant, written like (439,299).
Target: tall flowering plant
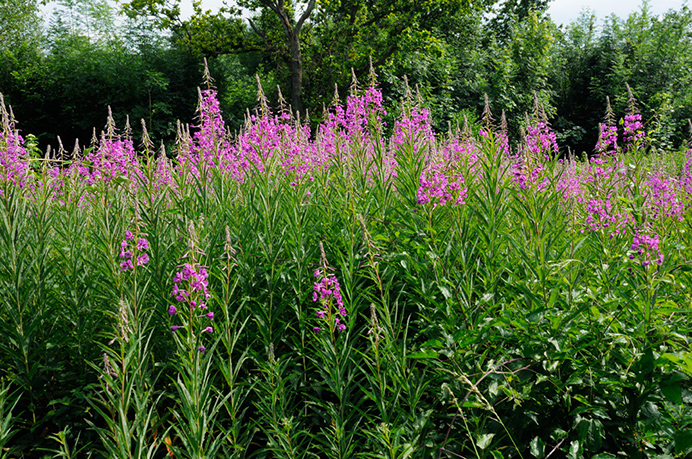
(607,134)
(191,325)
(133,251)
(633,125)
(14,164)
(190,292)
(112,156)
(327,294)
(333,361)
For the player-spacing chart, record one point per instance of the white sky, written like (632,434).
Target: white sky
(561,11)
(565,11)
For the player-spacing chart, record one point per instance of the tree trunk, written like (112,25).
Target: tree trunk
(293,36)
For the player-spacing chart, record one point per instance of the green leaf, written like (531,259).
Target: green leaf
(537,447)
(430,354)
(484,440)
(591,432)
(575,450)
(646,364)
(683,442)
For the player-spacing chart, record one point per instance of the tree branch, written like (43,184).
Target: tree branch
(305,15)
(257,31)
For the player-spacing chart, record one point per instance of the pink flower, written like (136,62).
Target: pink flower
(142,259)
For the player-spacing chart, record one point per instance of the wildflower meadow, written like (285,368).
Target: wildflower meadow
(347,290)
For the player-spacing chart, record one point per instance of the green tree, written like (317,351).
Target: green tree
(522,68)
(650,53)
(20,25)
(21,42)
(90,55)
(509,13)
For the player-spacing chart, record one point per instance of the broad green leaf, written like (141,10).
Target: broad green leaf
(430,354)
(537,448)
(683,442)
(484,440)
(591,433)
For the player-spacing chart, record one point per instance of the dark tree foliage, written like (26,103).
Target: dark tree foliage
(649,53)
(86,65)
(511,12)
(453,51)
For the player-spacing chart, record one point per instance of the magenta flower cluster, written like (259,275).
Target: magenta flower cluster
(327,293)
(607,139)
(645,248)
(634,129)
(601,195)
(528,164)
(14,164)
(191,292)
(132,251)
(440,185)
(195,278)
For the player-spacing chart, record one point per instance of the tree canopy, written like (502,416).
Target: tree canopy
(147,63)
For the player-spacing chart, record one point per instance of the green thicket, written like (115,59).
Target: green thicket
(146,66)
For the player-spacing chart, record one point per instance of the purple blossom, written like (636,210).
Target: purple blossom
(634,129)
(607,139)
(172,310)
(190,287)
(327,293)
(142,259)
(126,265)
(127,252)
(645,247)
(441,184)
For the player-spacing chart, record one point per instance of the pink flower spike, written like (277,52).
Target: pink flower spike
(209,330)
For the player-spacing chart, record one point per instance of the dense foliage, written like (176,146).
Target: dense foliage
(147,64)
(346,293)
